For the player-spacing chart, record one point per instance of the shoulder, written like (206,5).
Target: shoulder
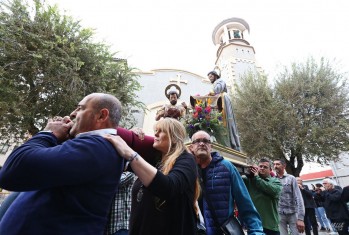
(92,143)
(186,158)
(290,177)
(220,81)
(90,138)
(227,166)
(272,179)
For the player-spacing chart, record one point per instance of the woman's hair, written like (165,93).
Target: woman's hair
(176,134)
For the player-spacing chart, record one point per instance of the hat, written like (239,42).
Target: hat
(214,73)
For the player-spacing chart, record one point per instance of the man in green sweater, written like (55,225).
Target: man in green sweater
(265,191)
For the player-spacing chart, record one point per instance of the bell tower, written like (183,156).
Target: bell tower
(235,55)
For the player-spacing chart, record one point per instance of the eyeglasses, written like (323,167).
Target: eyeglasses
(204,141)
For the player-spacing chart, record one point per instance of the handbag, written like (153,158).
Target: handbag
(232,226)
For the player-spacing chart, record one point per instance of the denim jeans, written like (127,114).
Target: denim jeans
(322,218)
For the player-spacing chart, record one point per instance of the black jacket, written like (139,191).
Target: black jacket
(335,208)
(308,198)
(345,194)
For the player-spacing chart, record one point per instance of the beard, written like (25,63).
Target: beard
(173,102)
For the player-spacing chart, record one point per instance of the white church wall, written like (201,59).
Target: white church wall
(153,91)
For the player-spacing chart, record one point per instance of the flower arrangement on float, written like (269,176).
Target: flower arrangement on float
(205,117)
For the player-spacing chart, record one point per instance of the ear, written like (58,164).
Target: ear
(103,115)
(190,147)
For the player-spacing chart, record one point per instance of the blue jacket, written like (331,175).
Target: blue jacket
(224,186)
(65,189)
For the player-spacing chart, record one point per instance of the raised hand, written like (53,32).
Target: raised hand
(59,127)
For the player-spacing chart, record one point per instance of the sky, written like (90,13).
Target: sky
(177,34)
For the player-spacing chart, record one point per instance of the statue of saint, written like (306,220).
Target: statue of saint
(220,88)
(172,110)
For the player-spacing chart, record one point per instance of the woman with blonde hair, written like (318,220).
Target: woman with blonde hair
(164,196)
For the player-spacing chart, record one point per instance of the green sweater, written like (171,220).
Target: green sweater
(265,196)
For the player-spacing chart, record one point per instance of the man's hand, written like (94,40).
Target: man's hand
(160,113)
(254,170)
(300,226)
(139,132)
(184,105)
(60,127)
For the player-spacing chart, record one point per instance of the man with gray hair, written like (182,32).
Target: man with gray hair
(66,186)
(222,187)
(336,209)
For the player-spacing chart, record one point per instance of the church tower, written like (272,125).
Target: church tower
(235,55)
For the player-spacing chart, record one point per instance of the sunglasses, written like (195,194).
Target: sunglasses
(205,141)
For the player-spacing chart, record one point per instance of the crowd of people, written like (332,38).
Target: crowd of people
(85,175)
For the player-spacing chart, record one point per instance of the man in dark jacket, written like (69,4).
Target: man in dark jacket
(67,186)
(336,209)
(309,205)
(320,210)
(224,187)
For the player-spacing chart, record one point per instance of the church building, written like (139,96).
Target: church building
(235,57)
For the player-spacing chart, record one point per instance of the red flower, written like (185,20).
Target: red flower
(198,109)
(195,115)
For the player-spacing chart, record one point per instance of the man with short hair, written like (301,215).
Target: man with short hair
(223,187)
(336,209)
(320,210)
(67,186)
(291,207)
(265,191)
(309,205)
